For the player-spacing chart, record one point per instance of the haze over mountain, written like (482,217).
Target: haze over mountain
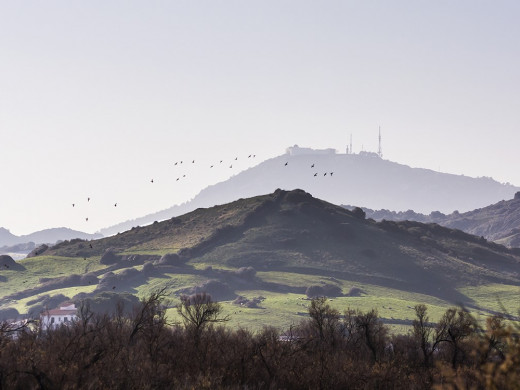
(46,236)
(356,179)
(498,222)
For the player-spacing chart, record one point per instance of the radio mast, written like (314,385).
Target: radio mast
(380,151)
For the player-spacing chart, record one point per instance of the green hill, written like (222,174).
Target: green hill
(265,253)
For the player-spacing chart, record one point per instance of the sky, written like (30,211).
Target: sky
(97,98)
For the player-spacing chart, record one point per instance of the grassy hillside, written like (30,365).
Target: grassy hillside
(259,256)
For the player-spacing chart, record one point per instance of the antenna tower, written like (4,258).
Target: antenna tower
(380,151)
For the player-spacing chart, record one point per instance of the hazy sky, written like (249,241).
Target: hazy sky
(99,97)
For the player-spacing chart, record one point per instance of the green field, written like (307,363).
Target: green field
(278,309)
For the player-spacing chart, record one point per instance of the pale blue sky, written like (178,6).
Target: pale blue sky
(98,97)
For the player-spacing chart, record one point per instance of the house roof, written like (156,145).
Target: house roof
(58,312)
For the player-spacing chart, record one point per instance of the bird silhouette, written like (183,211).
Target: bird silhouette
(249,156)
(211,166)
(183,175)
(177,179)
(115,204)
(316,174)
(175,163)
(286,163)
(312,166)
(231,166)
(181,162)
(236,158)
(73,204)
(113,288)
(193,162)
(86,219)
(151,181)
(90,246)
(325,174)
(221,161)
(331,173)
(88,199)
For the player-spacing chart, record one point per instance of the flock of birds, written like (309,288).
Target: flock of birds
(179,163)
(316,173)
(219,163)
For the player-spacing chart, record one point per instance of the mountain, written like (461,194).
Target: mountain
(293,232)
(499,222)
(6,237)
(358,179)
(47,236)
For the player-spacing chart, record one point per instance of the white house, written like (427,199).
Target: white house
(64,315)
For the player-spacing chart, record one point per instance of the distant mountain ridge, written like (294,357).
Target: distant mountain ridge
(46,236)
(499,222)
(357,179)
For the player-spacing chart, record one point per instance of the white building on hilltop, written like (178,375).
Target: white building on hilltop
(64,315)
(297,151)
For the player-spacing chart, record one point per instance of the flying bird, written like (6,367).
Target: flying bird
(151,181)
(221,161)
(286,163)
(86,219)
(90,246)
(249,156)
(331,173)
(73,204)
(193,162)
(312,166)
(316,174)
(177,179)
(113,288)
(325,174)
(236,158)
(211,166)
(175,163)
(115,204)
(88,199)
(231,166)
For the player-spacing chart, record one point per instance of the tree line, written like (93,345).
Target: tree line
(327,350)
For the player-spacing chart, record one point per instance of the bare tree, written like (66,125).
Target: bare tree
(198,310)
(148,314)
(325,320)
(422,331)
